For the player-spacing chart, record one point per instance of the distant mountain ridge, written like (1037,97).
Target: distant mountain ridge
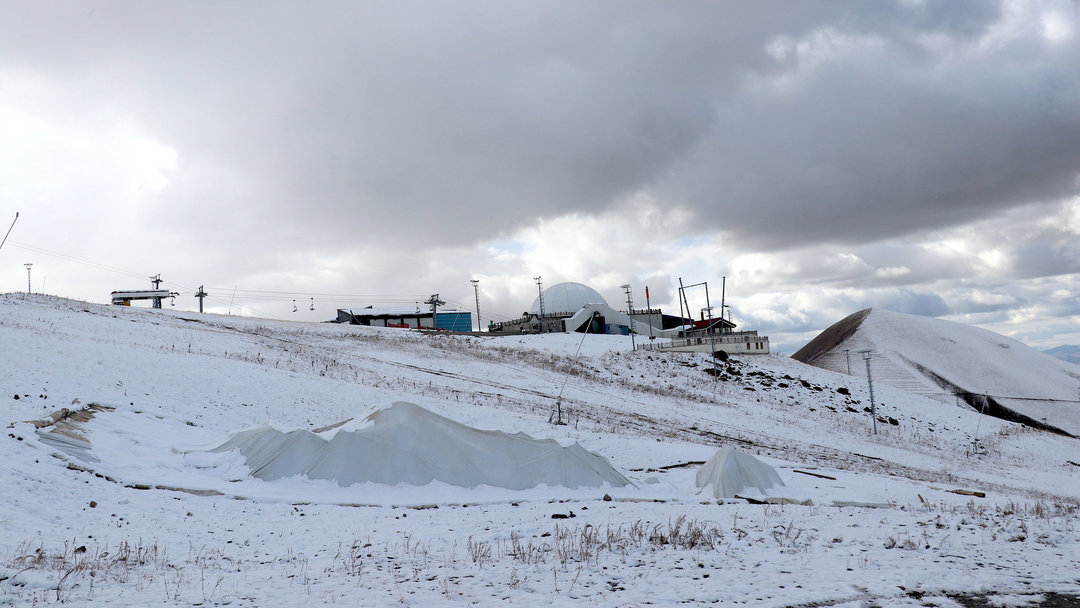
(1068,352)
(952,362)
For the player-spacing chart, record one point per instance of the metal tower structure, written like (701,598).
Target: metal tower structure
(476,290)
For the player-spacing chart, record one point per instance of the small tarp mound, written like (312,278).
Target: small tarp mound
(407,444)
(730,472)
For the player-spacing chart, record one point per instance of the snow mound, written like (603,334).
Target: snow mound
(948,361)
(730,472)
(407,444)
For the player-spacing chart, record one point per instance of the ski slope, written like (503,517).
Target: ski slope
(953,363)
(126,503)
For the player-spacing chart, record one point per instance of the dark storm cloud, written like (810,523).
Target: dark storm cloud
(418,123)
(1047,258)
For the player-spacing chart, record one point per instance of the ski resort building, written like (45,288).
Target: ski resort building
(407,318)
(573,307)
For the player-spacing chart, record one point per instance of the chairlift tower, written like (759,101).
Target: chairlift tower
(434,302)
(28,265)
(200,294)
(156,280)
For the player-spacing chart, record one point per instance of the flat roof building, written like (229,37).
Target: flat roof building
(407,318)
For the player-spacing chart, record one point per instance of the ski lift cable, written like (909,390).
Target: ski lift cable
(75,259)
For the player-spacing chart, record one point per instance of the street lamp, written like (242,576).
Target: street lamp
(476,290)
(873,409)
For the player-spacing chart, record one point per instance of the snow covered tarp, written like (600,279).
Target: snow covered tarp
(407,444)
(730,472)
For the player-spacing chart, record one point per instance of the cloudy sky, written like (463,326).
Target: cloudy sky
(918,156)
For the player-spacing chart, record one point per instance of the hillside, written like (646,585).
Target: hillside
(125,503)
(953,363)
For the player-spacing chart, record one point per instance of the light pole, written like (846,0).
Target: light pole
(873,409)
(476,290)
(28,265)
(712,341)
(540,289)
(648,306)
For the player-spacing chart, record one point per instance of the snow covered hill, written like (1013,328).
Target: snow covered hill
(112,495)
(953,363)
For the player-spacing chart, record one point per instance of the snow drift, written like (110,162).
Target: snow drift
(730,472)
(948,361)
(407,444)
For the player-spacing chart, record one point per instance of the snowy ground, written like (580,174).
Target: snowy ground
(142,517)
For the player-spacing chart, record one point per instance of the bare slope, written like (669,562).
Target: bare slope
(952,363)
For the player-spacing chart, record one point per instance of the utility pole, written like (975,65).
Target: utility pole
(476,290)
(540,288)
(28,265)
(200,294)
(873,409)
(435,303)
(648,306)
(712,342)
(630,313)
(156,280)
(682,317)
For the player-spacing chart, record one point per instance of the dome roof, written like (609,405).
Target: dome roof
(567,297)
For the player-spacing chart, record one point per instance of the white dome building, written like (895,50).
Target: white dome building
(566,298)
(571,307)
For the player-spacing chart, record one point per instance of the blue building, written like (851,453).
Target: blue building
(407,318)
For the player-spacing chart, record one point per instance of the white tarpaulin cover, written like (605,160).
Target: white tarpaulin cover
(730,472)
(407,444)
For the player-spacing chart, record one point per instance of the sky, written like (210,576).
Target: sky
(823,157)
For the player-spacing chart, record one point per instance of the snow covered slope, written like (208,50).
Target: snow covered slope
(119,501)
(953,363)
